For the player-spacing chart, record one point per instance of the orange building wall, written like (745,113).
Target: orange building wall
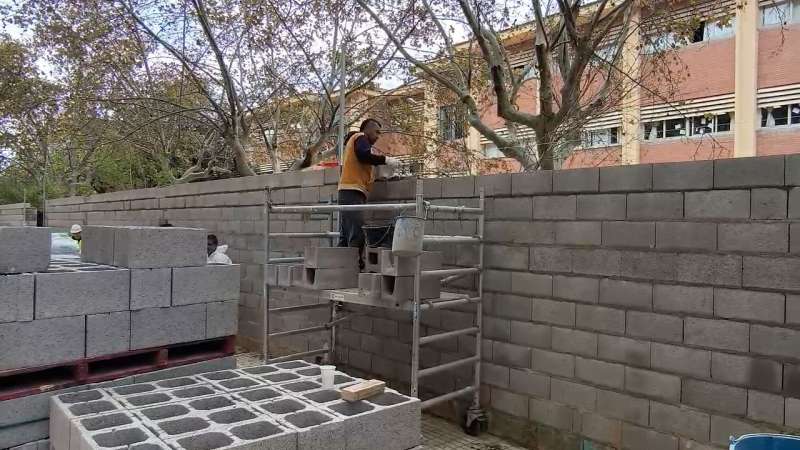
(778,56)
(688,149)
(778,141)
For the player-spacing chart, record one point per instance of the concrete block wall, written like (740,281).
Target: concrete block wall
(627,306)
(17,214)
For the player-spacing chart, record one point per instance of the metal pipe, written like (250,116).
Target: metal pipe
(265,286)
(305,235)
(432,238)
(447,366)
(293,259)
(476,399)
(438,337)
(448,272)
(416,307)
(453,278)
(297,307)
(299,331)
(451,303)
(455,209)
(328,208)
(443,398)
(300,355)
(331,357)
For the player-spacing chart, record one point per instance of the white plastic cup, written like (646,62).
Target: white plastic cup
(327,375)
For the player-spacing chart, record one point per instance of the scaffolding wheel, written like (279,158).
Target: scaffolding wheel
(476,421)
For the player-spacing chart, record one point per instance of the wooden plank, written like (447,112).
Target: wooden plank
(360,391)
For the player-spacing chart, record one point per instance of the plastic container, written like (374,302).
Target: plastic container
(378,235)
(408,235)
(766,441)
(327,374)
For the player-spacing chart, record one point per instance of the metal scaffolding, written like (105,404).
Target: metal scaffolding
(334,298)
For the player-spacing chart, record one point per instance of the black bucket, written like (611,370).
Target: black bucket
(378,235)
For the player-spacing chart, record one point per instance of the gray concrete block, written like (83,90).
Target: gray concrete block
(596,261)
(749,172)
(151,288)
(318,430)
(550,259)
(749,305)
(754,237)
(686,236)
(16,297)
(120,437)
(683,299)
(794,203)
(228,362)
(792,170)
(97,244)
(634,438)
(536,182)
(555,207)
(648,265)
(153,327)
(576,180)
(601,207)
(630,351)
(719,270)
(573,394)
(727,204)
(738,370)
(600,429)
(598,318)
(773,341)
(720,334)
(654,326)
(626,293)
(626,178)
(42,342)
(331,257)
(401,289)
(683,176)
(158,247)
(623,407)
(459,187)
(30,408)
(600,373)
(681,420)
(370,284)
(24,249)
(578,233)
(222,319)
(629,234)
(394,423)
(576,342)
(578,289)
(771,273)
(768,204)
(493,185)
(655,205)
(681,360)
(510,208)
(714,397)
(108,333)
(722,428)
(211,283)
(320,279)
(551,414)
(372,259)
(531,284)
(764,407)
(79,293)
(653,384)
(509,403)
(404,267)
(526,382)
(23,433)
(512,306)
(554,312)
(43,444)
(554,363)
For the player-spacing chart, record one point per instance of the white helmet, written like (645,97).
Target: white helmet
(75,229)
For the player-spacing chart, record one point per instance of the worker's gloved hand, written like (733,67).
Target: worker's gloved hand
(392,161)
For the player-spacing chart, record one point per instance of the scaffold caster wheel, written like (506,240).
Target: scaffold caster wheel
(476,422)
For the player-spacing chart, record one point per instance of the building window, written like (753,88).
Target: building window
(451,123)
(605,137)
(778,116)
(491,151)
(776,14)
(718,29)
(690,126)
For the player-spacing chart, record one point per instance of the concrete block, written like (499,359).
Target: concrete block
(111,430)
(532,284)
(578,233)
(764,407)
(493,185)
(526,382)
(681,360)
(509,208)
(600,373)
(153,327)
(553,363)
(551,414)
(550,259)
(653,384)
(655,205)
(372,259)
(749,172)
(108,333)
(634,438)
(370,284)
(238,383)
(23,433)
(794,203)
(578,289)
(159,247)
(318,430)
(722,428)
(728,204)
(768,204)
(773,341)
(626,178)
(228,362)
(530,183)
(151,288)
(630,351)
(66,409)
(596,262)
(771,273)
(25,249)
(660,327)
(749,305)
(505,257)
(794,238)
(554,312)
(714,397)
(512,306)
(458,187)
(738,370)
(629,234)
(576,342)
(626,293)
(498,376)
(43,444)
(754,237)
(16,297)
(623,407)
(530,334)
(42,342)
(404,267)
(30,408)
(680,420)
(598,318)
(683,176)
(719,334)
(555,207)
(321,279)
(97,244)
(401,289)
(686,236)
(509,402)
(683,299)
(392,423)
(511,355)
(576,180)
(719,270)
(601,207)
(96,290)
(331,257)
(222,319)
(254,396)
(520,232)
(792,414)
(648,265)
(211,283)
(573,394)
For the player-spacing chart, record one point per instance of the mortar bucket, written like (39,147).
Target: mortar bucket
(408,235)
(765,442)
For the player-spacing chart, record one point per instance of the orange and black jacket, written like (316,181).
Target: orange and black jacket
(357,163)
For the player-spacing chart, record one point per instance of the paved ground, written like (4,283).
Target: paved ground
(438,434)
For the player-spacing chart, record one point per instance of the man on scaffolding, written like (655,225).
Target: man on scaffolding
(356,181)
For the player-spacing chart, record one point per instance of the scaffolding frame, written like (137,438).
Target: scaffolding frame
(335,298)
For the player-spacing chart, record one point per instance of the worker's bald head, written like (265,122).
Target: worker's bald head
(372,129)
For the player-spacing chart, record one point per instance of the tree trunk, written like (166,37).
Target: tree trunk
(238,144)
(545,148)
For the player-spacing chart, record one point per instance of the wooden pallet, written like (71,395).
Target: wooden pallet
(35,380)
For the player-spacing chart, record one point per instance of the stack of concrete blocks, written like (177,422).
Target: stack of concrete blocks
(17,214)
(209,411)
(324,268)
(394,283)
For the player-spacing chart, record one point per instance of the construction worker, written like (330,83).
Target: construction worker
(216,252)
(356,181)
(75,234)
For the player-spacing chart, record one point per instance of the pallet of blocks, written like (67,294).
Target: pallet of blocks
(140,299)
(281,406)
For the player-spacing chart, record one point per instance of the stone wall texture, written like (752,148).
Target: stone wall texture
(649,306)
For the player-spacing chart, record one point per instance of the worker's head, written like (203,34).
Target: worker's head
(372,129)
(212,244)
(75,232)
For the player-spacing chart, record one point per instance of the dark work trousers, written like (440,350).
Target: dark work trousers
(350,222)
